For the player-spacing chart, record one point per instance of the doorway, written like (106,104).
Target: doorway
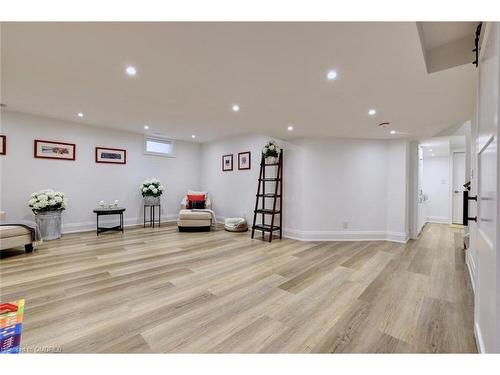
(441,177)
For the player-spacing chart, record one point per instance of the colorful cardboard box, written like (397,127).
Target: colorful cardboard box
(11,319)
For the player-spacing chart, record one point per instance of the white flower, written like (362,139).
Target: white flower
(144,190)
(151,187)
(47,198)
(155,190)
(161,188)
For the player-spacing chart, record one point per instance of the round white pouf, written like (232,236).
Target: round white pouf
(235,224)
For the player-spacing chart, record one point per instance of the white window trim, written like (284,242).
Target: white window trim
(159,139)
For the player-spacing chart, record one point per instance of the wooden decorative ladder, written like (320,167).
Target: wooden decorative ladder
(262,195)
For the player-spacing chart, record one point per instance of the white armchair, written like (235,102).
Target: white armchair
(195,220)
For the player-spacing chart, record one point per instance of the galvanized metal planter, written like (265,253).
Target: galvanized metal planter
(271,160)
(49,223)
(149,200)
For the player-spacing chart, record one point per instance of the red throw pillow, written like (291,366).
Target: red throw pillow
(196,198)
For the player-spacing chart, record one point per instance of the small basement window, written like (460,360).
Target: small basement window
(158,146)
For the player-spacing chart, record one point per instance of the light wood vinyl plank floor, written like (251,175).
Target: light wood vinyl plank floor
(161,291)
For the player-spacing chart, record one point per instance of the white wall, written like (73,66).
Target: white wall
(436,185)
(398,189)
(84,181)
(326,182)
(357,183)
(414,151)
(233,192)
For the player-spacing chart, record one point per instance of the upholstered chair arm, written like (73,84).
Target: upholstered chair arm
(184,202)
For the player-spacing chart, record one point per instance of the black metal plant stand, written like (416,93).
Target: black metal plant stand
(151,220)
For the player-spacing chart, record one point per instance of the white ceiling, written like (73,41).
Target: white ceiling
(437,34)
(190,74)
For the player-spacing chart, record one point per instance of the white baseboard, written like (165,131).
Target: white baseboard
(91,225)
(438,219)
(471,266)
(479,338)
(345,235)
(299,235)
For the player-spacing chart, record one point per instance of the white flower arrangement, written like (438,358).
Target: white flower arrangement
(271,149)
(151,188)
(47,200)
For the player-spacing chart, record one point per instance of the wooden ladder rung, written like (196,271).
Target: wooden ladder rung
(267,211)
(265,228)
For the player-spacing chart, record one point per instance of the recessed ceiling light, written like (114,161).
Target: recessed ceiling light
(131,70)
(236,108)
(430,149)
(193,136)
(331,75)
(290,128)
(393,131)
(79,114)
(372,112)
(146,127)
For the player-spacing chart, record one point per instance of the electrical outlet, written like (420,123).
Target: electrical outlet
(345,224)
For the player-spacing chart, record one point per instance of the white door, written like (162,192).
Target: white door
(488,271)
(458,186)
